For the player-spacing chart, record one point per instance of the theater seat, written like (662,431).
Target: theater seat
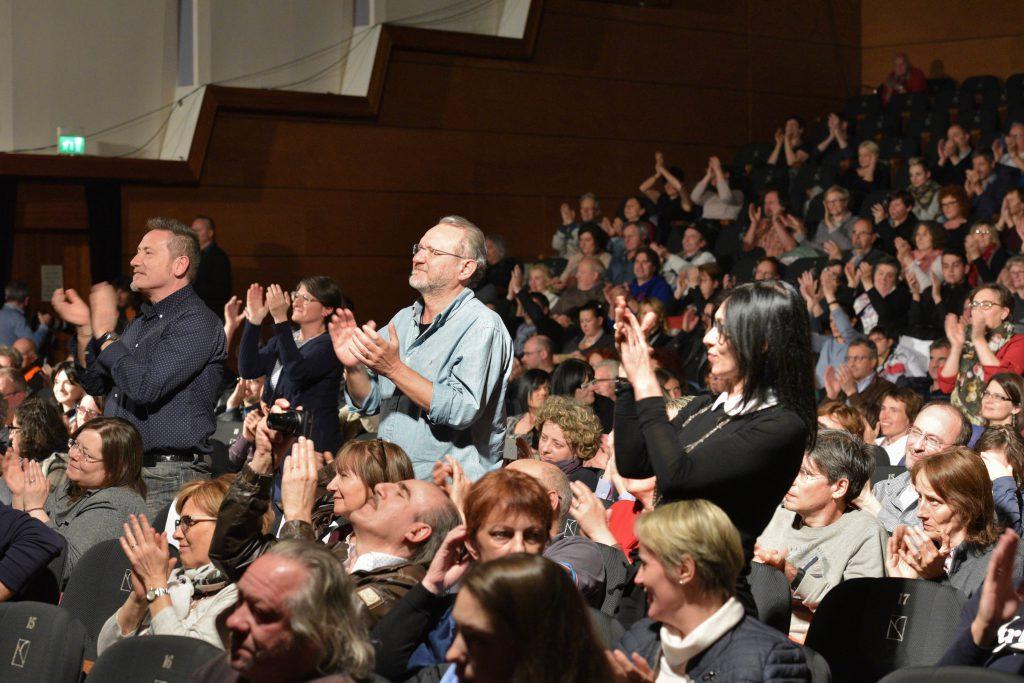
(99,584)
(867,628)
(927,674)
(152,658)
(40,642)
(771,595)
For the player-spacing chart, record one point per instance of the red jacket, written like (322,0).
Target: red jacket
(1011,359)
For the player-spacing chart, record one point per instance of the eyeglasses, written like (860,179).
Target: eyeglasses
(296,295)
(436,252)
(983,305)
(996,397)
(931,441)
(187,521)
(982,231)
(72,444)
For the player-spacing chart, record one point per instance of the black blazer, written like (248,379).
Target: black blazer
(310,377)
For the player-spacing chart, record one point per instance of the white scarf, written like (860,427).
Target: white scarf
(677,650)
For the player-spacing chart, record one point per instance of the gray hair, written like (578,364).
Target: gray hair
(610,363)
(13,354)
(472,244)
(16,291)
(592,197)
(499,245)
(596,263)
(441,519)
(183,242)
(841,456)
(15,376)
(326,610)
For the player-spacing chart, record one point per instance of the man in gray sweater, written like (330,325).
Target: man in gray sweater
(816,538)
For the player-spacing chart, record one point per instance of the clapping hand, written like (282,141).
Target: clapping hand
(999,598)
(147,552)
(374,351)
(850,269)
(916,556)
(299,481)
(632,669)
(878,213)
(590,513)
(255,307)
(832,250)
(832,388)
(37,487)
(866,271)
(342,329)
(233,313)
(634,351)
(103,308)
(450,562)
(515,283)
(955,330)
(278,302)
(846,381)
(449,476)
(775,558)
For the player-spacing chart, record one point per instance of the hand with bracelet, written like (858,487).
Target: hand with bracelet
(151,562)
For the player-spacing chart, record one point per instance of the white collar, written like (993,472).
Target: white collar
(368,562)
(733,407)
(677,650)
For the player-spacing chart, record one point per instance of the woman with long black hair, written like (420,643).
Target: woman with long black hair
(741,448)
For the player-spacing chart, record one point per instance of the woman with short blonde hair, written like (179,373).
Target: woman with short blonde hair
(690,559)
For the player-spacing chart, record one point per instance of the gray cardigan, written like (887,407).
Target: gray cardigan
(96,516)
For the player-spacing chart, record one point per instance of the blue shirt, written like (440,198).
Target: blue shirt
(466,353)
(164,374)
(14,326)
(656,288)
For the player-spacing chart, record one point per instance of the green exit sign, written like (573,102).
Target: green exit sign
(71,144)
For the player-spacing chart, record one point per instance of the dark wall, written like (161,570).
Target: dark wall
(505,142)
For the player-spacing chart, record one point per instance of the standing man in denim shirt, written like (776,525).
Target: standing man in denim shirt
(437,375)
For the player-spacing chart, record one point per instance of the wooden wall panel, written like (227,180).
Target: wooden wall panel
(504,142)
(942,37)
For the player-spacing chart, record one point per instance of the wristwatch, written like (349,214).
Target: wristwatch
(154,593)
(108,337)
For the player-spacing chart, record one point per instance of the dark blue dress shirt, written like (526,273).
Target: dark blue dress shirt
(164,374)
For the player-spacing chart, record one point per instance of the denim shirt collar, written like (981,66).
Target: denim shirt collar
(417,309)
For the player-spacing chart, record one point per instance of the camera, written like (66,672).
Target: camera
(291,423)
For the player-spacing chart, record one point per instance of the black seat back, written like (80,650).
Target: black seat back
(927,674)
(771,595)
(39,642)
(866,628)
(152,658)
(97,587)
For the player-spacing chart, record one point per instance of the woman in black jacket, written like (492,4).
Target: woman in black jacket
(741,449)
(299,364)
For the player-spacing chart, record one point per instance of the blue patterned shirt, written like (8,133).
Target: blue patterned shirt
(164,374)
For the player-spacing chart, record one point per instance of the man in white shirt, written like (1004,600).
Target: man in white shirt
(899,407)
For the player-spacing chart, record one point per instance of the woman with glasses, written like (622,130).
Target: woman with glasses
(1001,402)
(958,529)
(185,600)
(954,210)
(298,362)
(985,255)
(981,350)
(104,487)
(740,449)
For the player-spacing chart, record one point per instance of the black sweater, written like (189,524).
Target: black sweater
(26,546)
(745,467)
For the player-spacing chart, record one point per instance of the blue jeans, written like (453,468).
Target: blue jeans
(165,479)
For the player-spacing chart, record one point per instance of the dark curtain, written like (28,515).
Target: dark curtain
(103,199)
(8,202)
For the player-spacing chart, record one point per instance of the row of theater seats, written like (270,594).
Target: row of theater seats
(911,125)
(864,630)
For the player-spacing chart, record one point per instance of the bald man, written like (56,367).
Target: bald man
(31,368)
